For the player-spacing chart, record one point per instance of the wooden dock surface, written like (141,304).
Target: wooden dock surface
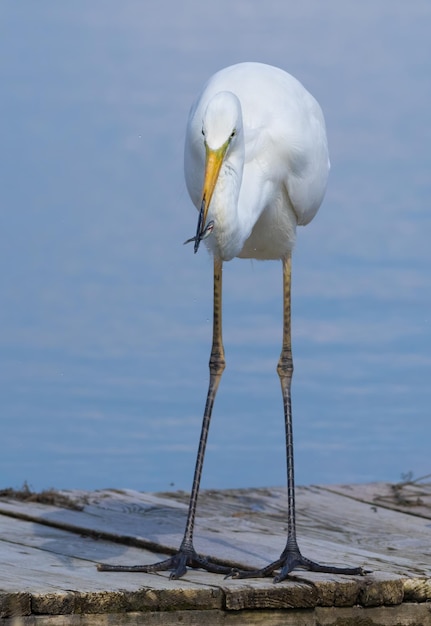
(50,545)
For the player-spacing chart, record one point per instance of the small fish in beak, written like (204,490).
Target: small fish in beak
(206,233)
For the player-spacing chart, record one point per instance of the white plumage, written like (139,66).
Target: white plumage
(275,164)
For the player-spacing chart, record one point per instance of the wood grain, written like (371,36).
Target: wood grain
(49,555)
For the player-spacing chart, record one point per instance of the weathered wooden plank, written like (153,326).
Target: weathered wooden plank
(60,583)
(413,498)
(331,527)
(37,570)
(49,560)
(406,614)
(79,588)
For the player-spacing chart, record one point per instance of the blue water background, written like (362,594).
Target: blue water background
(105,317)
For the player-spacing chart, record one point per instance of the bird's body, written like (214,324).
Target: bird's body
(256,166)
(275,170)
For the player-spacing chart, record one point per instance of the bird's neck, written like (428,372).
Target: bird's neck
(230,224)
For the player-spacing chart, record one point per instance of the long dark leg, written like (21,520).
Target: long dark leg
(187,556)
(291,556)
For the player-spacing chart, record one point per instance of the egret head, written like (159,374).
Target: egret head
(221,126)
(222,120)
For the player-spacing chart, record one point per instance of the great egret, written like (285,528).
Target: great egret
(256,165)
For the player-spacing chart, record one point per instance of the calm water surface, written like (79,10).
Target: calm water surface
(105,316)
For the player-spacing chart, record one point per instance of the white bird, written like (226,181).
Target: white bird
(256,165)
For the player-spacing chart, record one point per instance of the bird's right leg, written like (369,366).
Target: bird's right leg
(291,557)
(186,555)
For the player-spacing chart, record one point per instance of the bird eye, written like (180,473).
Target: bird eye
(233,133)
(203,132)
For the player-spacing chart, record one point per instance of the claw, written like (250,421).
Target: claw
(177,564)
(289,560)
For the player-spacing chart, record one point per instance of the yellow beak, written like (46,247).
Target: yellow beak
(213,163)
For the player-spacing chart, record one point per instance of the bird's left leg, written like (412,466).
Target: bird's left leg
(291,556)
(186,555)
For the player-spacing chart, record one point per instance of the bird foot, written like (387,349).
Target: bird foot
(289,560)
(178,563)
